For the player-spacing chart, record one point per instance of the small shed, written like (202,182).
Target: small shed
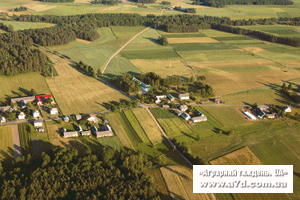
(2,120)
(271,116)
(183,108)
(78,117)
(53,111)
(35,114)
(184,96)
(157,100)
(70,134)
(287,109)
(66,119)
(199,119)
(21,115)
(37,123)
(86,132)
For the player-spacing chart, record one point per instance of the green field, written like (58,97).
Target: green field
(199,46)
(275,29)
(148,125)
(6,144)
(26,25)
(112,142)
(25,138)
(150,54)
(172,124)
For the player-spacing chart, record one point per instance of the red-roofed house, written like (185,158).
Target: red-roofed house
(41,98)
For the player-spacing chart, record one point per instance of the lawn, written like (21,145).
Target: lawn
(172,124)
(77,93)
(26,25)
(6,144)
(25,138)
(23,83)
(179,181)
(148,125)
(112,142)
(119,130)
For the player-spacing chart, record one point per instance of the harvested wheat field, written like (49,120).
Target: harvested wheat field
(245,156)
(179,181)
(77,93)
(192,40)
(39,7)
(83,41)
(254,49)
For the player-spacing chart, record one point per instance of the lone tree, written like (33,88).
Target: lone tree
(33,92)
(163,41)
(290,86)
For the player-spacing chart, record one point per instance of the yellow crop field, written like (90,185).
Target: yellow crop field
(245,156)
(118,130)
(162,67)
(192,40)
(179,181)
(77,93)
(148,124)
(6,143)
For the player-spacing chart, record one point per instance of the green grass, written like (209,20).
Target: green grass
(112,142)
(25,138)
(180,35)
(148,36)
(13,85)
(235,69)
(199,46)
(235,38)
(26,25)
(136,126)
(6,144)
(275,29)
(150,54)
(172,124)
(126,31)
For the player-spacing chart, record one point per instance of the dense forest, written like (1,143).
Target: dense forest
(291,41)
(62,174)
(106,2)
(290,21)
(57,1)
(19,9)
(222,3)
(8,28)
(144,1)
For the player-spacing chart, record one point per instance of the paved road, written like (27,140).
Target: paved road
(16,141)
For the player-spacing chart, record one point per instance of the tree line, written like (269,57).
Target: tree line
(106,2)
(222,3)
(63,174)
(291,41)
(8,28)
(58,1)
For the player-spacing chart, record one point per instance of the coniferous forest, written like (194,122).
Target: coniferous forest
(62,174)
(222,3)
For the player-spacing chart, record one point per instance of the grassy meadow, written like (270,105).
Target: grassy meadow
(6,144)
(26,25)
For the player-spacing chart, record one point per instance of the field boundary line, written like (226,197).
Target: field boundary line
(16,141)
(127,120)
(123,48)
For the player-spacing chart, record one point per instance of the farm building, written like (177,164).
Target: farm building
(37,123)
(2,120)
(104,134)
(107,127)
(271,116)
(53,111)
(66,119)
(70,134)
(199,113)
(170,97)
(35,113)
(249,115)
(25,99)
(86,132)
(178,112)
(201,118)
(165,106)
(183,108)
(21,115)
(145,88)
(79,128)
(40,129)
(183,96)
(287,109)
(185,116)
(4,108)
(92,118)
(78,117)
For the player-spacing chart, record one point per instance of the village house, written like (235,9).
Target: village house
(287,109)
(4,108)
(185,116)
(92,118)
(2,120)
(41,98)
(70,134)
(66,119)
(271,116)
(53,111)
(183,108)
(21,115)
(22,104)
(35,114)
(198,113)
(201,118)
(79,129)
(170,97)
(25,99)
(184,96)
(86,132)
(78,117)
(178,112)
(37,123)
(107,127)
(40,129)
(157,100)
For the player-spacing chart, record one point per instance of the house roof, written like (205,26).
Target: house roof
(54,109)
(104,133)
(4,108)
(2,118)
(183,106)
(22,114)
(70,133)
(78,117)
(66,118)
(86,132)
(38,121)
(30,98)
(184,95)
(178,112)
(185,115)
(43,96)
(35,111)
(199,118)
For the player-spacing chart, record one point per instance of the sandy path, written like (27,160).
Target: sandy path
(16,141)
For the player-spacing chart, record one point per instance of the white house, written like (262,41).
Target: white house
(185,116)
(183,96)
(2,120)
(170,97)
(183,108)
(41,129)
(157,100)
(287,109)
(37,123)
(201,118)
(35,114)
(21,115)
(91,118)
(53,111)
